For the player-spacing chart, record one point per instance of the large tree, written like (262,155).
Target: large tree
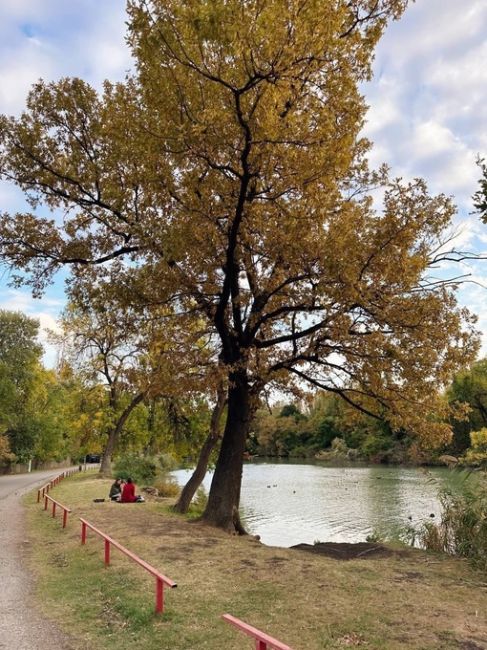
(20,354)
(230,170)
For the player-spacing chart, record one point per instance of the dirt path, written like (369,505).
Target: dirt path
(21,626)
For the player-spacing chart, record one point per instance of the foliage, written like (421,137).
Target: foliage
(199,503)
(477,453)
(20,355)
(462,530)
(166,485)
(338,451)
(168,462)
(140,469)
(6,455)
(328,429)
(469,388)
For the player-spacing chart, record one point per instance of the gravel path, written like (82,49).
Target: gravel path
(22,627)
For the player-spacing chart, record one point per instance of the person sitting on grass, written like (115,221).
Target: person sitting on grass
(115,493)
(128,493)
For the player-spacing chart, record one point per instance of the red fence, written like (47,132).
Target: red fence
(262,640)
(161,579)
(60,505)
(42,491)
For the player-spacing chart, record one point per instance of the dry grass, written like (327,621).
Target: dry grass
(413,600)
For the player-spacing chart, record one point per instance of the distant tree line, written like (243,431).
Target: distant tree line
(55,414)
(326,427)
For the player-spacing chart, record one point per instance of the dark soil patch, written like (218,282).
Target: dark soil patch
(343,551)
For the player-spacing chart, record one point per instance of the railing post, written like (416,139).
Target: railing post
(45,503)
(83,532)
(260,645)
(65,518)
(107,552)
(159,596)
(53,508)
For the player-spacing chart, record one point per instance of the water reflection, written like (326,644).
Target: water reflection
(288,503)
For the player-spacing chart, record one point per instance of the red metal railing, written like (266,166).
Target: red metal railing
(262,640)
(161,579)
(42,491)
(60,505)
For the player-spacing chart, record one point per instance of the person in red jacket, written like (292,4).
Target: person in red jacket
(128,492)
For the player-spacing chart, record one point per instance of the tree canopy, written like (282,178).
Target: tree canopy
(20,355)
(230,173)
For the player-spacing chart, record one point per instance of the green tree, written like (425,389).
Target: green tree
(230,171)
(20,355)
(105,346)
(469,387)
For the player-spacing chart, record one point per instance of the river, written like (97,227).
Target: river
(288,503)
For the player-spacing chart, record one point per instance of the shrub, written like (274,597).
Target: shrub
(167,462)
(140,469)
(477,452)
(198,504)
(462,530)
(6,455)
(166,486)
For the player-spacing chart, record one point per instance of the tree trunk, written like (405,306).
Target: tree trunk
(114,435)
(224,497)
(189,490)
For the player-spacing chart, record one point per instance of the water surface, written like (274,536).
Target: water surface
(288,503)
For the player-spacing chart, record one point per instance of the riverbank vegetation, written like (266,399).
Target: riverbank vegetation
(325,427)
(462,529)
(306,600)
(51,415)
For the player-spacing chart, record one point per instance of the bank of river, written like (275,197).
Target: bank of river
(288,503)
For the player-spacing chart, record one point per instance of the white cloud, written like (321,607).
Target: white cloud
(428,100)
(56,39)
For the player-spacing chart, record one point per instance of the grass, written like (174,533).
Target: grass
(413,600)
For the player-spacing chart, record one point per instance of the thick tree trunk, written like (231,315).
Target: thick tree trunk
(224,497)
(114,435)
(189,490)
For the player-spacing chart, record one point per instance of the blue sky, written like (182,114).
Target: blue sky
(428,103)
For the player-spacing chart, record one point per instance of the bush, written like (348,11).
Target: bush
(462,530)
(6,455)
(477,452)
(198,504)
(167,486)
(302,452)
(167,462)
(140,469)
